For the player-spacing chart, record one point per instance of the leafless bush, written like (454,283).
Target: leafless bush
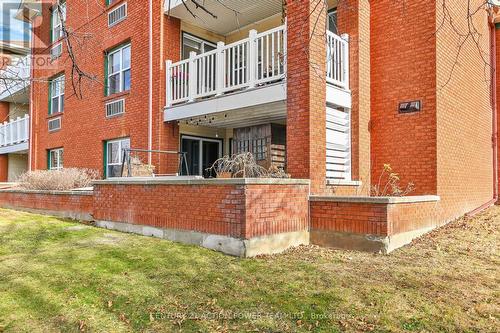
(244,166)
(57,180)
(389,185)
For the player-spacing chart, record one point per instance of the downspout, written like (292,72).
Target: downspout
(494,101)
(494,137)
(32,72)
(150,101)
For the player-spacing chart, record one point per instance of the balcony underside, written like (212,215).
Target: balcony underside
(232,15)
(338,97)
(19,148)
(246,108)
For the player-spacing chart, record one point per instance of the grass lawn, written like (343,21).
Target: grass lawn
(57,275)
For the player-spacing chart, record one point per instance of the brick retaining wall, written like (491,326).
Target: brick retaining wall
(76,205)
(242,217)
(237,208)
(372,224)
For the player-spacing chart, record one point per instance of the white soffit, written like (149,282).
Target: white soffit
(231,14)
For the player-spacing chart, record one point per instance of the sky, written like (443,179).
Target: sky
(10,28)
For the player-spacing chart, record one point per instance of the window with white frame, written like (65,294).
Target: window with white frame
(58,18)
(56,95)
(114,156)
(118,67)
(56,157)
(191,43)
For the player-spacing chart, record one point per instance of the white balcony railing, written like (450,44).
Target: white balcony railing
(14,132)
(337,60)
(248,63)
(252,62)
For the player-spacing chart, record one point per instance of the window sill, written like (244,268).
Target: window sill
(116,96)
(55,42)
(115,116)
(115,4)
(344,182)
(55,115)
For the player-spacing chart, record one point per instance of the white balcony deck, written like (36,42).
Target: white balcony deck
(14,135)
(245,75)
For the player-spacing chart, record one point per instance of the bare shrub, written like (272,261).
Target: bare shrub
(57,180)
(244,166)
(389,185)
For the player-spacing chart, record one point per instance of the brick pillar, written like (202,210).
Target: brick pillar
(4,116)
(354,20)
(306,91)
(169,132)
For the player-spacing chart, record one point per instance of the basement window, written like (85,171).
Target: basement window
(114,156)
(56,157)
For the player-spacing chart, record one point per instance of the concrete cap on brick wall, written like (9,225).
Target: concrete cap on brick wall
(378,200)
(200,181)
(70,192)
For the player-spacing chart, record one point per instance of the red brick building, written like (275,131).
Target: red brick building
(331,92)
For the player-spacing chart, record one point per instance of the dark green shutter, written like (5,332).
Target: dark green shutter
(105,74)
(51,26)
(50,97)
(105,159)
(48,160)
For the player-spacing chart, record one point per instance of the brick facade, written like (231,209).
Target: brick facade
(354,20)
(85,127)
(395,56)
(306,91)
(464,116)
(403,59)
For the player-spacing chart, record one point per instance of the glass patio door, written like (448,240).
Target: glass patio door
(201,153)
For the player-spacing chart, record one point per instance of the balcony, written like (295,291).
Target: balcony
(245,75)
(14,135)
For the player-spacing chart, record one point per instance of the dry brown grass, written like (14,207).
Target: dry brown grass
(57,180)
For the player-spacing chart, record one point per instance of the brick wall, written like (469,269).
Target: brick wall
(497,42)
(403,68)
(63,204)
(354,19)
(84,124)
(306,91)
(240,211)
(380,219)
(464,115)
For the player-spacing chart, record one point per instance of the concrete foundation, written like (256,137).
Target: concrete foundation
(229,245)
(366,243)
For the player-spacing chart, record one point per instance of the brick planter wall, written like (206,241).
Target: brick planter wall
(243,217)
(76,205)
(371,224)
